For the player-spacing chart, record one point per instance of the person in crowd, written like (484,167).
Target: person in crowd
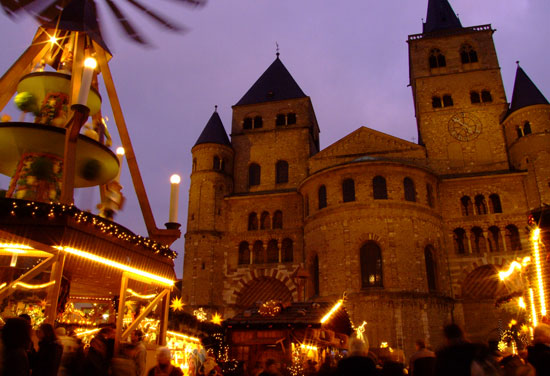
(422,362)
(100,353)
(16,338)
(326,368)
(357,362)
(539,353)
(47,359)
(140,356)
(514,365)
(394,364)
(164,366)
(124,364)
(271,368)
(311,368)
(70,347)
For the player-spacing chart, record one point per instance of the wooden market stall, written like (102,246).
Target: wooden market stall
(288,333)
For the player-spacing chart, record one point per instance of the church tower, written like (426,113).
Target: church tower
(527,127)
(211,181)
(458,94)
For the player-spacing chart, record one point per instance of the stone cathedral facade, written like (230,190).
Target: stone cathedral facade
(413,233)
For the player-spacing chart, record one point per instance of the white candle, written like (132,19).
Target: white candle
(120,156)
(174,195)
(89,65)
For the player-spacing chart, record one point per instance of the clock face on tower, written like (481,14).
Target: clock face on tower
(464,126)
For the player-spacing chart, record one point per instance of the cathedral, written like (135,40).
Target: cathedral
(413,234)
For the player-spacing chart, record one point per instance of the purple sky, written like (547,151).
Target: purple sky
(349,56)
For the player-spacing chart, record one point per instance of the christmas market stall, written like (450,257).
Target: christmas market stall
(59,264)
(290,333)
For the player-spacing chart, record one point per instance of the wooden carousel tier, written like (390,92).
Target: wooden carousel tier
(97,251)
(39,84)
(18,138)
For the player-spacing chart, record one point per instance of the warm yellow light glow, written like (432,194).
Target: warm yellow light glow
(521,303)
(180,335)
(53,39)
(540,282)
(86,332)
(90,62)
(514,265)
(308,347)
(361,330)
(526,260)
(32,287)
(533,309)
(383,345)
(217,319)
(22,249)
(331,312)
(117,265)
(120,151)
(133,293)
(512,323)
(3,285)
(177,304)
(175,179)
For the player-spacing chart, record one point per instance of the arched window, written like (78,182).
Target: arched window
(494,239)
(258,122)
(468,54)
(272,251)
(519,131)
(254,172)
(459,237)
(513,242)
(244,253)
(265,221)
(466,206)
(436,102)
(481,205)
(431,267)
(348,190)
(281,172)
(447,100)
(379,189)
(430,195)
(252,221)
(494,201)
(280,120)
(277,219)
(287,250)
(370,257)
(526,128)
(410,193)
(247,123)
(486,96)
(479,244)
(258,252)
(474,97)
(322,193)
(436,59)
(315,274)
(216,165)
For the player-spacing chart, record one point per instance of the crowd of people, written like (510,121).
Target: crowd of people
(49,352)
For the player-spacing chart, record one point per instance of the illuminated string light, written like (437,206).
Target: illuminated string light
(180,335)
(533,309)
(3,285)
(309,347)
(117,265)
(332,311)
(32,287)
(536,238)
(514,265)
(86,332)
(521,303)
(133,293)
(360,330)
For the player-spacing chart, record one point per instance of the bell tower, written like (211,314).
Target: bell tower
(458,93)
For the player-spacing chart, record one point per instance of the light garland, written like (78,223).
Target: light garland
(332,311)
(540,282)
(200,314)
(147,297)
(533,309)
(32,287)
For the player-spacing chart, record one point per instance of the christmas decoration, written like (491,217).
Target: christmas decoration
(271,308)
(177,304)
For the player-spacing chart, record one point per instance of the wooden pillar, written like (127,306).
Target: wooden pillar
(164,318)
(120,311)
(53,291)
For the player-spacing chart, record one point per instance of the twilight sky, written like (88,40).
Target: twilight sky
(349,56)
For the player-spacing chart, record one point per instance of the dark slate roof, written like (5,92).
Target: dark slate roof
(525,92)
(440,16)
(275,84)
(214,132)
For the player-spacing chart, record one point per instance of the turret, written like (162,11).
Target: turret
(527,128)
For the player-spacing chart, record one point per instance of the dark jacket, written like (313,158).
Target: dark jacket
(16,363)
(356,365)
(455,360)
(539,356)
(47,359)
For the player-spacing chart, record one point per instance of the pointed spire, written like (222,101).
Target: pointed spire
(526,92)
(275,84)
(440,16)
(214,131)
